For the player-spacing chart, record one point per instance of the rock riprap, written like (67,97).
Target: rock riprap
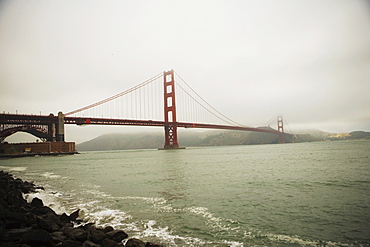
(33,224)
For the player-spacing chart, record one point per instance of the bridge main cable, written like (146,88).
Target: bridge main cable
(116,96)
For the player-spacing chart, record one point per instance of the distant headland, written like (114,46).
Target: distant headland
(209,138)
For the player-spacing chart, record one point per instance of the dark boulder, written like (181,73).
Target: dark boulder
(74,215)
(64,218)
(3,213)
(149,244)
(108,229)
(27,187)
(42,210)
(44,224)
(13,235)
(117,235)
(15,199)
(134,242)
(58,237)
(68,218)
(110,243)
(53,220)
(37,202)
(88,243)
(95,235)
(30,219)
(69,243)
(3,202)
(77,234)
(14,219)
(36,237)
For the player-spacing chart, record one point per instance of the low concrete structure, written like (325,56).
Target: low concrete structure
(37,148)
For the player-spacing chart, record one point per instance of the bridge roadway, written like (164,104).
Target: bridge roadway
(19,119)
(105,121)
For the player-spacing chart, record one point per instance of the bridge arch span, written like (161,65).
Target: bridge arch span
(40,133)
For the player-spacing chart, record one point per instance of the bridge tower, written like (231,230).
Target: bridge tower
(170,124)
(281,135)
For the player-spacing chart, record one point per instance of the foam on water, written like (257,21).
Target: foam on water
(163,233)
(109,217)
(302,242)
(151,200)
(91,200)
(93,210)
(170,239)
(211,219)
(49,199)
(150,230)
(17,169)
(50,175)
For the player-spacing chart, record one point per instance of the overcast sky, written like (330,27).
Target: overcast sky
(307,60)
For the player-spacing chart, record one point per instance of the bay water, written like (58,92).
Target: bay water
(302,194)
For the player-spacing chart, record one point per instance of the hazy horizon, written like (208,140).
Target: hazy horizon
(25,137)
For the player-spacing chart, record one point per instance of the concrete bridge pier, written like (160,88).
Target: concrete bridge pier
(60,127)
(52,129)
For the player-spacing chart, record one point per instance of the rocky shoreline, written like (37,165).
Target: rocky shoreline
(33,224)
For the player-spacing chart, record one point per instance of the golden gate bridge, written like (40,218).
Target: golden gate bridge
(159,101)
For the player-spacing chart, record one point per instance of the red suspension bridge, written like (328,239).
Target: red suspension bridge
(151,103)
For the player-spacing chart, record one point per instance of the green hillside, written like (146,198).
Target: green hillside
(185,138)
(189,138)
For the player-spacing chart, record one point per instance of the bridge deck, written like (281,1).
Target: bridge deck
(105,121)
(17,119)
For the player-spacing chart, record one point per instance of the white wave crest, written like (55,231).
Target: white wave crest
(49,199)
(16,169)
(211,219)
(50,175)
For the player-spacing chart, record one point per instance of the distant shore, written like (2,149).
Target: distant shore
(209,139)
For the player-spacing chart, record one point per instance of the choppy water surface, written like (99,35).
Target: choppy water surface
(309,194)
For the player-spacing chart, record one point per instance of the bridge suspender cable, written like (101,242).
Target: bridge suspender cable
(226,119)
(142,95)
(115,96)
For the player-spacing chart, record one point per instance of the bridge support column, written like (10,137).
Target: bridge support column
(170,128)
(60,127)
(52,129)
(281,135)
